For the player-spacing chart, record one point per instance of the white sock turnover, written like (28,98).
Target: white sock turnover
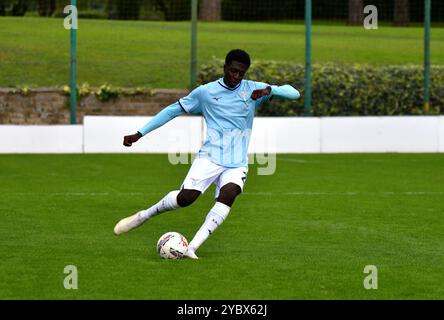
(168,203)
(214,219)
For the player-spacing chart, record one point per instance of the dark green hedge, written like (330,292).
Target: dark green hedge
(344,90)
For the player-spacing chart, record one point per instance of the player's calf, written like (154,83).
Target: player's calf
(187,196)
(228,193)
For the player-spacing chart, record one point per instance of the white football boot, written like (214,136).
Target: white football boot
(190,254)
(128,224)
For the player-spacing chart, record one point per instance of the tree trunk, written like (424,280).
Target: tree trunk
(210,10)
(41,7)
(401,15)
(355,12)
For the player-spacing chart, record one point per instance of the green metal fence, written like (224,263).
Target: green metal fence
(308,56)
(427,26)
(173,40)
(73,71)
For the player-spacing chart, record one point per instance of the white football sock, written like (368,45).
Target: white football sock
(214,219)
(168,203)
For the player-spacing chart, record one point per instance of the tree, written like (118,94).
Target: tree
(2,8)
(16,8)
(128,9)
(174,10)
(210,10)
(355,12)
(46,8)
(124,9)
(19,8)
(401,16)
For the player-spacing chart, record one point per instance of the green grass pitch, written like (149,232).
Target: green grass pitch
(305,232)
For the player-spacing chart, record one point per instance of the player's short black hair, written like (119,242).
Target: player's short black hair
(239,56)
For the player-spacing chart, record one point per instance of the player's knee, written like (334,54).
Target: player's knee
(228,193)
(186,197)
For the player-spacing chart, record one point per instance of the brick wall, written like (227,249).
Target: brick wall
(51,106)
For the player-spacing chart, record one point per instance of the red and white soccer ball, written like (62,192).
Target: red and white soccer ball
(172,245)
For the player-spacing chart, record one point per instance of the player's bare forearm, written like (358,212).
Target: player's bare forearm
(257,94)
(130,139)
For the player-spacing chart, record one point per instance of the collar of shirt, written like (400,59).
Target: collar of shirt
(222,83)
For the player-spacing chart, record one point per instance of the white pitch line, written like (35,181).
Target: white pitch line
(304,193)
(292,193)
(298,160)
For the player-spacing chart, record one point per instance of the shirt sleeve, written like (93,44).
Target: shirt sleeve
(192,102)
(262,100)
(286,92)
(167,114)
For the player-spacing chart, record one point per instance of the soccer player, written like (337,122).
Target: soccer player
(228,106)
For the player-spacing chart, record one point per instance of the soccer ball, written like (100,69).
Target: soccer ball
(172,245)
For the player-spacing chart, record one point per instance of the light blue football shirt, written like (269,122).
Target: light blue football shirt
(229,114)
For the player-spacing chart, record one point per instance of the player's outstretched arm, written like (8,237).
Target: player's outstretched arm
(167,114)
(286,92)
(130,139)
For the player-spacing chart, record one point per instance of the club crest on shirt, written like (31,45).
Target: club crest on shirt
(243,95)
